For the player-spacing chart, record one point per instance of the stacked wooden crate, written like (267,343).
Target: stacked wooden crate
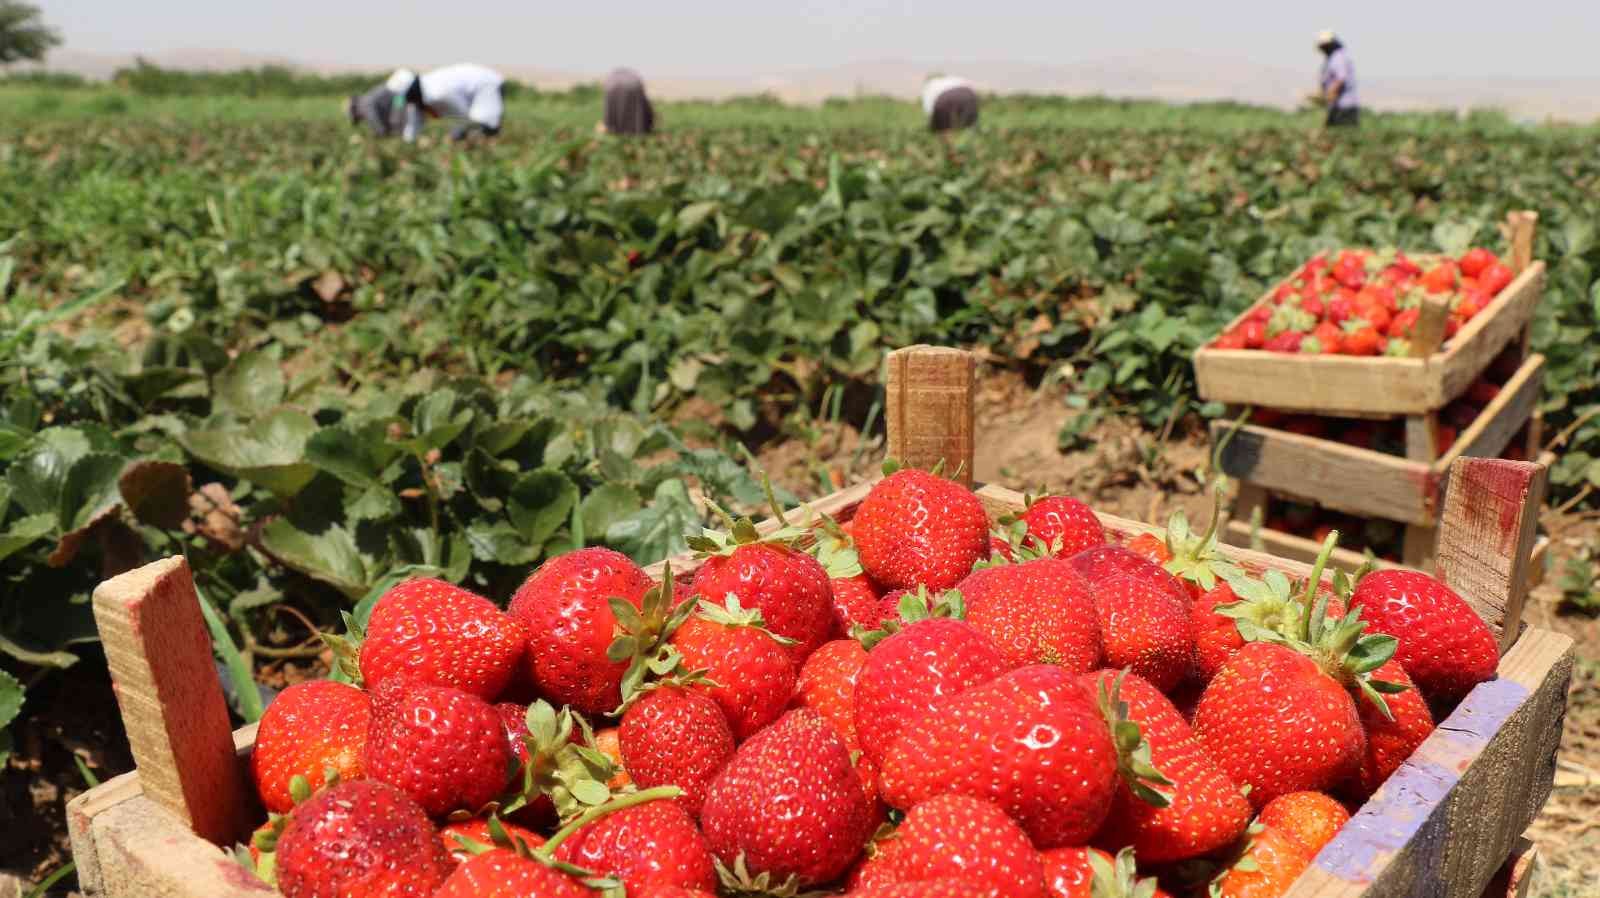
(1270,462)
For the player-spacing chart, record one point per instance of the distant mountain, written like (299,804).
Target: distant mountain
(1174,75)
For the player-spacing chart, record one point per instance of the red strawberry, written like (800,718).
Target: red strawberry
(1254,333)
(790,802)
(1062,525)
(1233,339)
(906,674)
(608,741)
(443,747)
(1312,818)
(571,625)
(1143,614)
(361,839)
(1362,340)
(753,672)
(1031,740)
(434,632)
(1476,260)
(788,587)
(928,888)
(855,601)
(477,831)
(539,811)
(1287,341)
(1037,612)
(1440,279)
(1270,865)
(1206,810)
(827,685)
(666,891)
(675,736)
(969,839)
(1444,646)
(502,874)
(651,843)
(916,528)
(1067,873)
(1150,546)
(310,728)
(1403,323)
(1269,604)
(1495,278)
(1329,337)
(1390,740)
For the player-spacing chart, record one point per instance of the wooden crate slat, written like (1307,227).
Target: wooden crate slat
(1509,412)
(1491,520)
(1447,819)
(1476,344)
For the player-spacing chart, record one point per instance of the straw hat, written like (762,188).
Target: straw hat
(1326,37)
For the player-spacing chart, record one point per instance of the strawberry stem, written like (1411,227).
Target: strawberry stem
(548,849)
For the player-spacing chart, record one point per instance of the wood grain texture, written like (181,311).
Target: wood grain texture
(1488,529)
(1522,226)
(1345,478)
(1515,877)
(929,408)
(1447,819)
(1476,344)
(159,654)
(142,853)
(1428,333)
(1512,410)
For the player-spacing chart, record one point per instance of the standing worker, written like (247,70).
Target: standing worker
(1338,82)
(627,109)
(473,94)
(950,103)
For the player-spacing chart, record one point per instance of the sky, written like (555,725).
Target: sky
(712,38)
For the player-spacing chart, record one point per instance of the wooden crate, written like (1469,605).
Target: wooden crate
(1353,386)
(1443,825)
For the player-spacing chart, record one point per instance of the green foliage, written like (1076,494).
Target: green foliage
(23,34)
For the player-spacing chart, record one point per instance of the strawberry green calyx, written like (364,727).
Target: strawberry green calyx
(1196,558)
(1289,317)
(1266,611)
(834,549)
(891,465)
(1118,878)
(738,881)
(732,614)
(913,606)
(744,532)
(642,633)
(569,771)
(1138,772)
(346,648)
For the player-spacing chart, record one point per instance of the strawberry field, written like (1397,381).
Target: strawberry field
(318,366)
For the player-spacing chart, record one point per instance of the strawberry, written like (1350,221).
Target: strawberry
(790,802)
(1390,739)
(917,528)
(750,673)
(657,890)
(827,685)
(1233,339)
(1205,810)
(1445,647)
(1254,333)
(462,836)
(539,810)
(1037,612)
(361,839)
(1192,558)
(1312,818)
(1476,260)
(1143,614)
(1271,863)
(906,673)
(654,843)
(928,888)
(675,736)
(501,873)
(1266,604)
(445,748)
(969,839)
(1495,278)
(571,625)
(855,601)
(1329,337)
(1286,341)
(1150,546)
(788,587)
(1361,339)
(434,632)
(1440,279)
(308,729)
(1061,525)
(1482,391)
(1031,740)
(608,741)
(1067,873)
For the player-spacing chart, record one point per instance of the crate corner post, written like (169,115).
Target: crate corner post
(929,401)
(1488,529)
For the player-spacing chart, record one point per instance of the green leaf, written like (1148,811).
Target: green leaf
(500,543)
(437,421)
(270,452)
(90,489)
(37,478)
(250,385)
(539,504)
(10,699)
(355,456)
(24,532)
(660,529)
(694,215)
(330,556)
(607,504)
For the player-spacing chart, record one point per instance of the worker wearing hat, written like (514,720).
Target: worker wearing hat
(470,93)
(1338,82)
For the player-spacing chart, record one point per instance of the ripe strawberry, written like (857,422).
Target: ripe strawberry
(1067,873)
(651,843)
(1495,278)
(571,626)
(675,736)
(501,873)
(969,839)
(790,802)
(1233,339)
(1362,340)
(434,632)
(608,741)
(362,839)
(928,888)
(1272,862)
(906,673)
(657,890)
(1440,279)
(1312,818)
(1287,341)
(916,528)
(1062,526)
(827,685)
(752,671)
(1476,260)
(1329,337)
(788,587)
(1037,612)
(1268,604)
(1031,740)
(1143,614)
(1313,306)
(310,728)
(1150,546)
(1483,392)
(1402,324)
(460,837)
(1205,809)
(855,601)
(539,811)
(1444,646)
(1254,333)
(1392,739)
(445,748)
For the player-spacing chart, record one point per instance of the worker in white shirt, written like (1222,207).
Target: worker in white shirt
(472,94)
(950,103)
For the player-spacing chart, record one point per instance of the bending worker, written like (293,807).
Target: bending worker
(627,108)
(472,94)
(949,103)
(1338,82)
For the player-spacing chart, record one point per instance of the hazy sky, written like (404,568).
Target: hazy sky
(1401,38)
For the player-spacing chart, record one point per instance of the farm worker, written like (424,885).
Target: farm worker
(376,109)
(950,103)
(627,109)
(471,93)
(1338,82)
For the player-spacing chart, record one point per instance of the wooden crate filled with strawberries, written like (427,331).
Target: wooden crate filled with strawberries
(912,687)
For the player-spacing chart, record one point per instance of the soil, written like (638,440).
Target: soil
(1124,469)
